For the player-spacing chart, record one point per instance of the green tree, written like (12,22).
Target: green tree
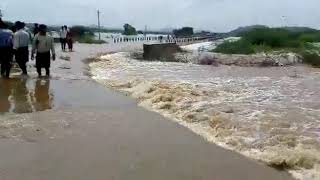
(129,30)
(81,31)
(183,32)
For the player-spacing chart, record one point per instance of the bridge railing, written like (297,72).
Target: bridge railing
(134,39)
(158,39)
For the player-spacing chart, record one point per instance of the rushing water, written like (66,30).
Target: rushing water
(270,114)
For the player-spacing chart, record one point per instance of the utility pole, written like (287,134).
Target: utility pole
(145,30)
(98,12)
(285,21)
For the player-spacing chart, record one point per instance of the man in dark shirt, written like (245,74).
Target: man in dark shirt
(6,49)
(35,29)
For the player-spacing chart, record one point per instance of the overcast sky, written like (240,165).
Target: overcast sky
(215,15)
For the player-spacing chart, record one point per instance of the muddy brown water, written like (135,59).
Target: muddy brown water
(24,96)
(69,127)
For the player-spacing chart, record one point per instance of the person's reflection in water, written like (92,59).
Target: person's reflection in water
(42,95)
(5,91)
(21,96)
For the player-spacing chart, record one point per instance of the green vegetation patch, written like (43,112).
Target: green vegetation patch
(238,47)
(89,39)
(276,39)
(311,58)
(83,34)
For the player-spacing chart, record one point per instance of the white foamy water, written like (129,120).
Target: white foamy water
(269,114)
(200,46)
(207,46)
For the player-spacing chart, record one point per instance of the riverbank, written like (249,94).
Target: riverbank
(263,113)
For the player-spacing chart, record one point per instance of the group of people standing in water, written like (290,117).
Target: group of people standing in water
(16,44)
(66,38)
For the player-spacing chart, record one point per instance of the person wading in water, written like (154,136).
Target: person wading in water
(63,37)
(21,41)
(69,39)
(42,45)
(35,29)
(6,51)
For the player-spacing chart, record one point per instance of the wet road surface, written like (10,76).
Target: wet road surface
(69,127)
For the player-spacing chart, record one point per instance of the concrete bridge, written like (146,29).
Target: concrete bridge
(161,39)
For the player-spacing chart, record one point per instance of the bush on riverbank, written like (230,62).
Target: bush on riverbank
(238,47)
(84,34)
(78,31)
(311,58)
(275,39)
(89,39)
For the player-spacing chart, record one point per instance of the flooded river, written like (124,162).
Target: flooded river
(70,127)
(270,114)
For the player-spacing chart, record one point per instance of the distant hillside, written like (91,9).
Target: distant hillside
(300,29)
(241,30)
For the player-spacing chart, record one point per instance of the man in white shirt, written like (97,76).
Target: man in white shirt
(63,37)
(42,45)
(21,41)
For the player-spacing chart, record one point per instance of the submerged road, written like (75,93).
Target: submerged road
(71,128)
